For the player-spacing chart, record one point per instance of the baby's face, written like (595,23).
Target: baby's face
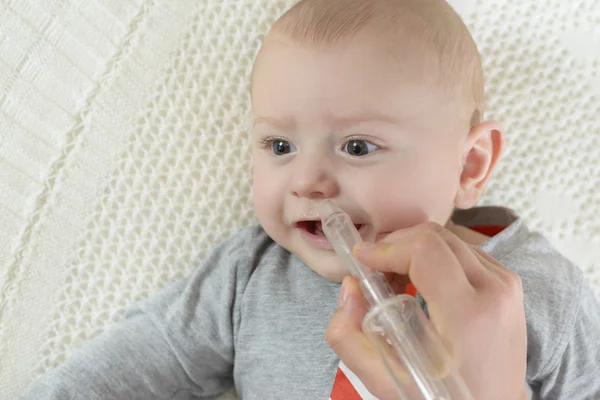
(350,124)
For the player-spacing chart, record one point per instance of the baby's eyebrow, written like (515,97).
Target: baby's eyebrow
(336,122)
(356,119)
(281,123)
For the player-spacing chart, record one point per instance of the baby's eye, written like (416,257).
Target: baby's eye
(359,148)
(282,147)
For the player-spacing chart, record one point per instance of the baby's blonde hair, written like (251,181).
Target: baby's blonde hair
(430,22)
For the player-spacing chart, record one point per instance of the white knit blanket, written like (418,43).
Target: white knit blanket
(124,148)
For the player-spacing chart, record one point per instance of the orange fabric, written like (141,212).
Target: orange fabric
(411,290)
(488,230)
(343,388)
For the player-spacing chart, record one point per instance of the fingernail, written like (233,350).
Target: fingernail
(363,247)
(343,295)
(366,247)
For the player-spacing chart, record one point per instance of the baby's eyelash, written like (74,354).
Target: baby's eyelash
(267,142)
(358,138)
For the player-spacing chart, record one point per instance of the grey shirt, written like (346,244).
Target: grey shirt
(253,316)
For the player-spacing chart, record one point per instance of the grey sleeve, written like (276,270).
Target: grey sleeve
(577,371)
(175,345)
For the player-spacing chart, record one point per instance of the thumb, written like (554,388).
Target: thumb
(351,308)
(353,347)
(344,334)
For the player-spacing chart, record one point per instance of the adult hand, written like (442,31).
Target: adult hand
(474,302)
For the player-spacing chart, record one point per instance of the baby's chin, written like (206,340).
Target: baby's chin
(329,267)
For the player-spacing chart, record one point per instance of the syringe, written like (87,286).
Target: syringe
(415,357)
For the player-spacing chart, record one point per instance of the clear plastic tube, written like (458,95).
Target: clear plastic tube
(412,352)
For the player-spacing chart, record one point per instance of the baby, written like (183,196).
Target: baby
(377,105)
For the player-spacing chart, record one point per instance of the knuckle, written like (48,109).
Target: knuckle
(514,284)
(426,241)
(434,227)
(335,336)
(508,293)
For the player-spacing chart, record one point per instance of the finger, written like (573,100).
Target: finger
(475,272)
(345,328)
(391,237)
(438,261)
(387,257)
(345,336)
(474,268)
(391,254)
(438,274)
(506,279)
(491,263)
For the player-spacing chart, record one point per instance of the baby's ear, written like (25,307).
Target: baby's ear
(483,148)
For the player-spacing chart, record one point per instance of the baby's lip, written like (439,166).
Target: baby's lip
(381,236)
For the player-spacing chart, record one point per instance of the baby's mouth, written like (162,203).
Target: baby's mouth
(316,227)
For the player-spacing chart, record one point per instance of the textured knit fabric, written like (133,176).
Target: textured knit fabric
(253,316)
(124,149)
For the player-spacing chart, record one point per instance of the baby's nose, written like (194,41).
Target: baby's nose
(314,181)
(314,189)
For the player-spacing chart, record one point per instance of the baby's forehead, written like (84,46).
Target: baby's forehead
(428,29)
(362,67)
(345,99)
(326,22)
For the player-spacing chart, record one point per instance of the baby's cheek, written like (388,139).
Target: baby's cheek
(439,191)
(392,205)
(268,194)
(397,201)
(260,191)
